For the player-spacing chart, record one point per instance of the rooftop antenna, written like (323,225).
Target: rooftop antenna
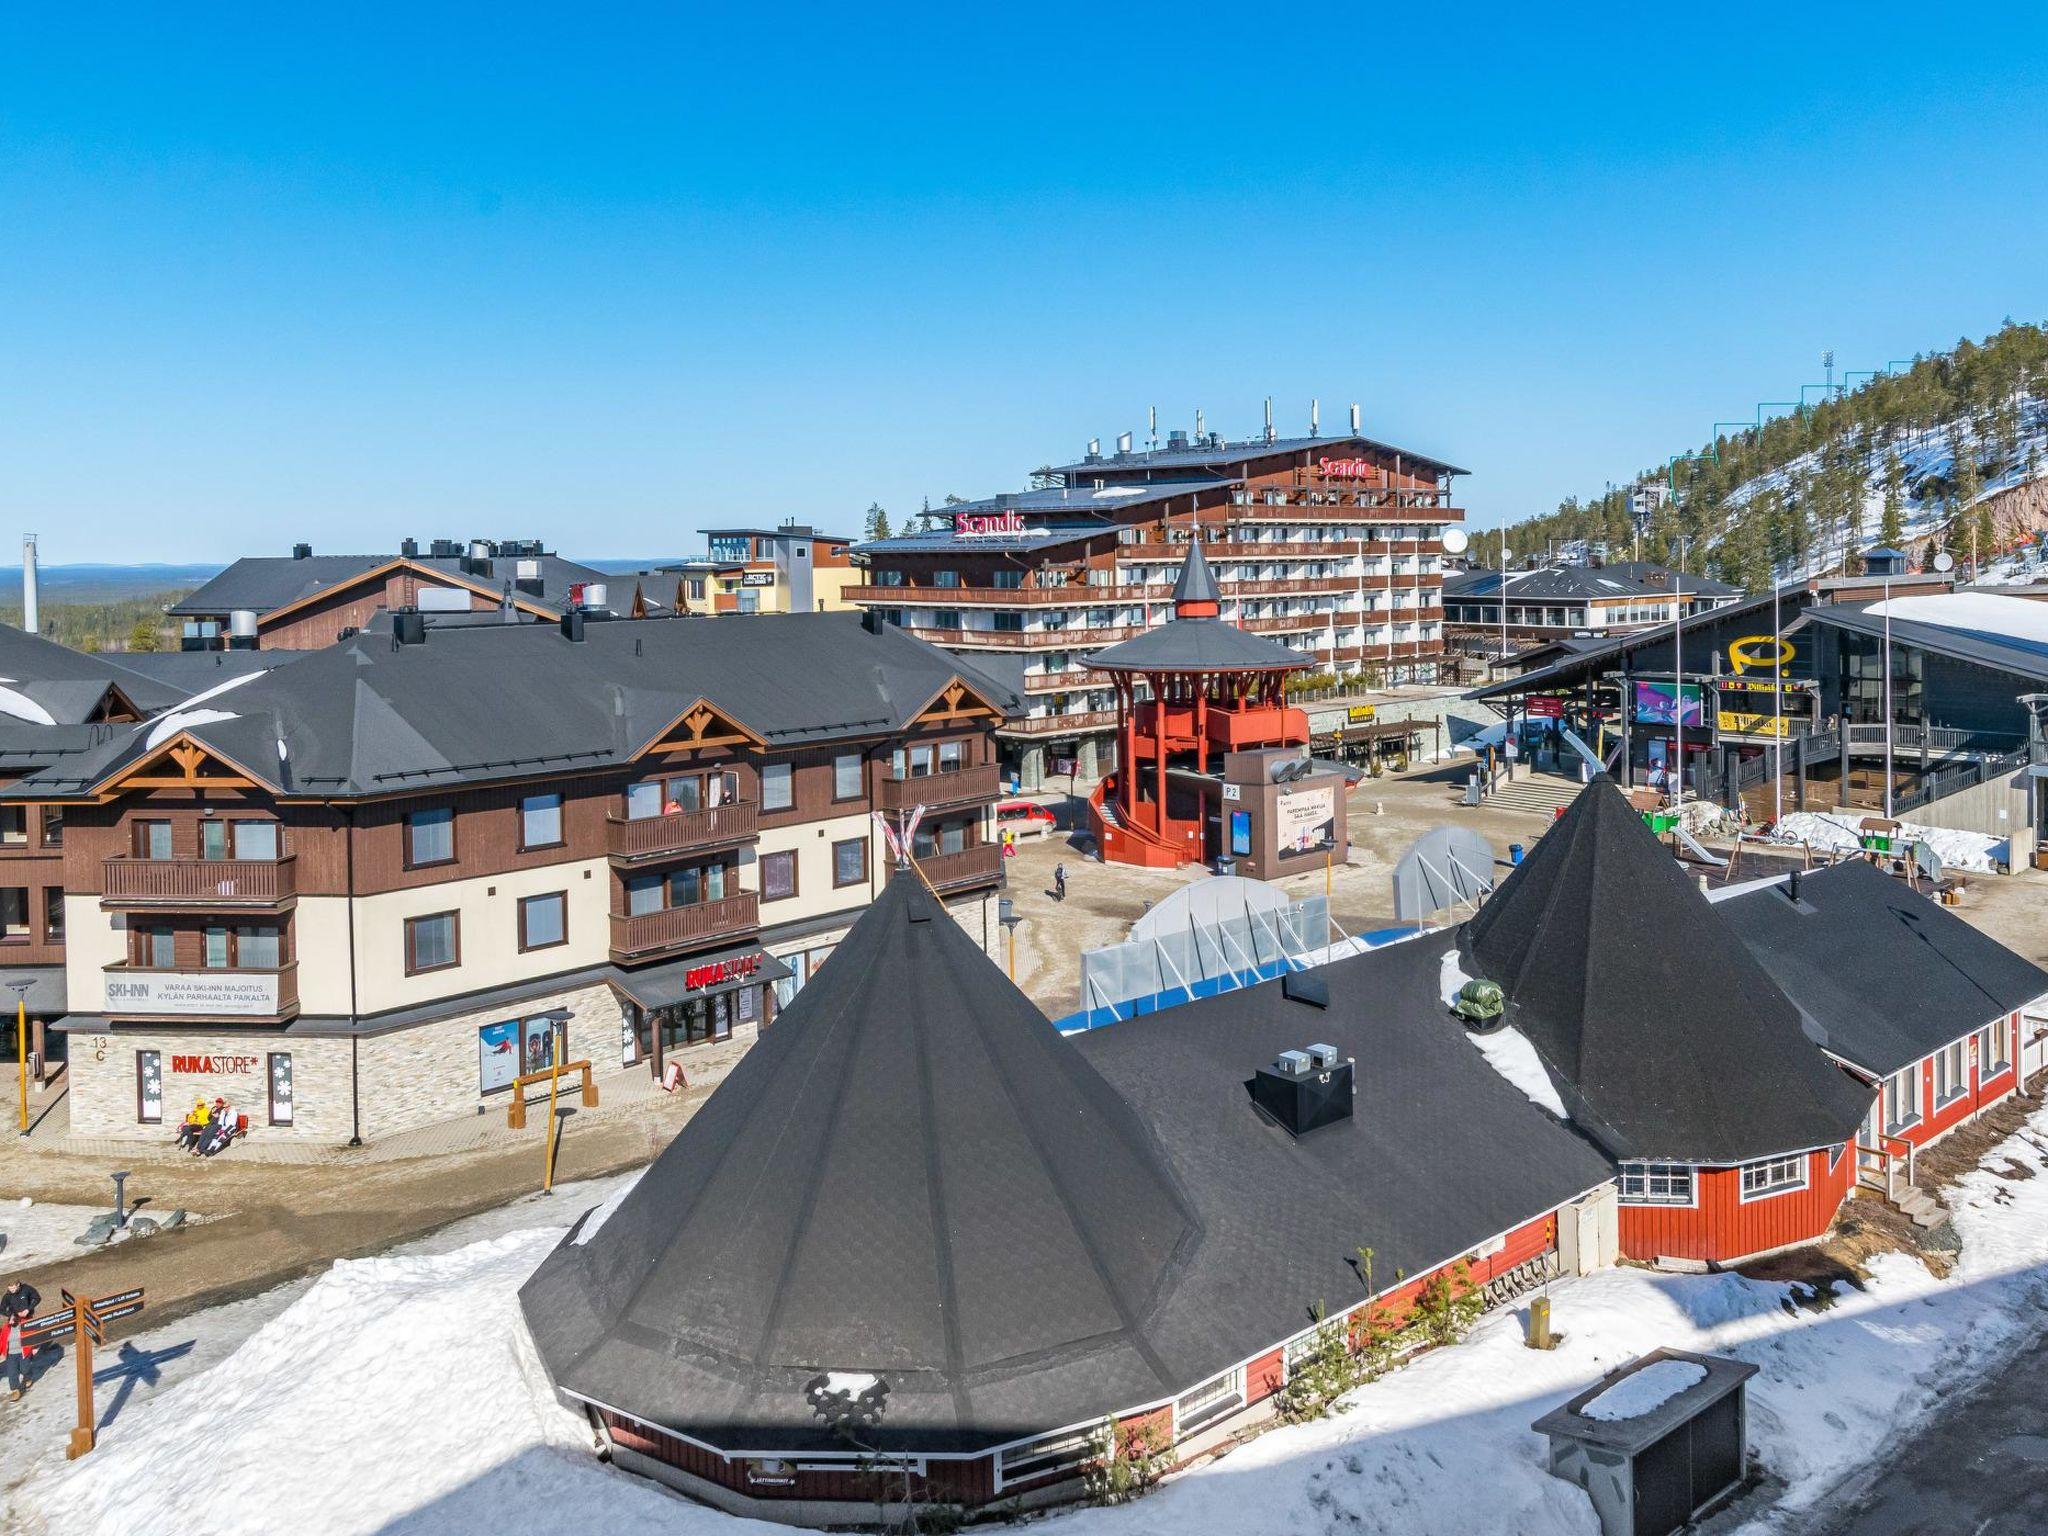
(1315,418)
(1269,418)
(1354,418)
(1199,438)
(1152,427)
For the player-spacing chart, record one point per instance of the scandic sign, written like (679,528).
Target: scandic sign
(737,968)
(1347,469)
(981,523)
(195,1065)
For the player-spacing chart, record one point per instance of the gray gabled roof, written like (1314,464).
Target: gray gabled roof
(507,701)
(1204,456)
(264,583)
(2016,654)
(71,687)
(1196,583)
(1666,1038)
(1888,975)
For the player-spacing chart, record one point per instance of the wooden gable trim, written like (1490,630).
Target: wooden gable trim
(955,700)
(427,573)
(181,763)
(701,725)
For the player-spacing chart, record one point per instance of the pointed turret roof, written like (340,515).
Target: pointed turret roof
(910,1175)
(1667,1038)
(1196,583)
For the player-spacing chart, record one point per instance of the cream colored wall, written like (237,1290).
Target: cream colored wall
(320,932)
(812,843)
(93,940)
(489,937)
(829,584)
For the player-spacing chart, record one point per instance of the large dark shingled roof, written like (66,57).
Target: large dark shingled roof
(1668,1040)
(911,1174)
(1198,645)
(1886,974)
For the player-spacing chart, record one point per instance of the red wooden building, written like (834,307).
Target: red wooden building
(1670,1044)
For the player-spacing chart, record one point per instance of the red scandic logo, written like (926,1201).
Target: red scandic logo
(734,969)
(194,1065)
(988,522)
(1347,469)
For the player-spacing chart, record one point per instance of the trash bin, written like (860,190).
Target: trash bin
(1226,866)
(1514,853)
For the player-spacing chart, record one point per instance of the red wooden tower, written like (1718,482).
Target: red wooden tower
(1212,689)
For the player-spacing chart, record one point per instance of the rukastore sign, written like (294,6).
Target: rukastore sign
(193,994)
(225,1066)
(718,972)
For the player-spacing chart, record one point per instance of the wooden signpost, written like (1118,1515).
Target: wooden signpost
(88,1322)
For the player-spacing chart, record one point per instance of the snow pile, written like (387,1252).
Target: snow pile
(449,1425)
(1841,832)
(1644,1392)
(32,1233)
(603,1213)
(1507,1049)
(22,707)
(181,720)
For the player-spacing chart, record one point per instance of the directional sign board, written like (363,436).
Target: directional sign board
(49,1324)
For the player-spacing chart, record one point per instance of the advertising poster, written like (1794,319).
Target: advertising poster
(1305,819)
(540,1044)
(1655,705)
(1240,833)
(497,1047)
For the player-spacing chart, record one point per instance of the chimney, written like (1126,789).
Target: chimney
(408,627)
(409,548)
(31,617)
(1354,418)
(242,630)
(572,624)
(1094,449)
(1304,1091)
(1123,444)
(302,551)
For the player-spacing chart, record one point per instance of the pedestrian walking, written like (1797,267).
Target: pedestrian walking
(18,1304)
(1059,882)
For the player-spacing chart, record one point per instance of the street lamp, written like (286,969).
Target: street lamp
(21,984)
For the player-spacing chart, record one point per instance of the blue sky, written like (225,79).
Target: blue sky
(607,274)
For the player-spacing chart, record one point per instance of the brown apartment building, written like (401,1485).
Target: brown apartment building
(1331,546)
(366,891)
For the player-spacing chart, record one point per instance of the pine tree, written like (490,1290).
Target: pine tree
(145,636)
(877,524)
(1892,528)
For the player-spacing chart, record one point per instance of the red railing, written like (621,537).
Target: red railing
(650,837)
(253,882)
(646,933)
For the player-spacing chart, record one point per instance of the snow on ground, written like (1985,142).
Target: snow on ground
(1648,1389)
(452,1429)
(36,1233)
(1840,832)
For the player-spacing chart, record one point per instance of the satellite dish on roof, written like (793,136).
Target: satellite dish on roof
(1449,867)
(1455,541)
(1944,561)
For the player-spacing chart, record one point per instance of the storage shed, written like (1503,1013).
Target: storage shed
(1657,1442)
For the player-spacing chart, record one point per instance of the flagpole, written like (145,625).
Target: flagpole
(1777,709)
(1887,700)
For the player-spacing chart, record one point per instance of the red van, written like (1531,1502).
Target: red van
(1025,818)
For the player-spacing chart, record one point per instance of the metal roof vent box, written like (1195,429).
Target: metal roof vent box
(1304,1091)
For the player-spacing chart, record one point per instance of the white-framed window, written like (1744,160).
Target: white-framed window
(1902,1099)
(1212,1400)
(1049,1453)
(1656,1184)
(1773,1176)
(1994,1050)
(1951,1074)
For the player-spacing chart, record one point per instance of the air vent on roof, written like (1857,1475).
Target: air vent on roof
(409,548)
(302,551)
(1304,1091)
(572,624)
(444,549)
(1176,440)
(408,627)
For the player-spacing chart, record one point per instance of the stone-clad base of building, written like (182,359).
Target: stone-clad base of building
(376,1085)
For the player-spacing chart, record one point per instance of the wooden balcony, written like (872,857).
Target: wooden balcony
(964,786)
(248,995)
(634,840)
(1069,595)
(1026,640)
(1059,725)
(981,864)
(201,884)
(638,937)
(1066,682)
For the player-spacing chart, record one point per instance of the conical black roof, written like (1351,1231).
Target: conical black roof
(911,1175)
(1196,584)
(1669,1040)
